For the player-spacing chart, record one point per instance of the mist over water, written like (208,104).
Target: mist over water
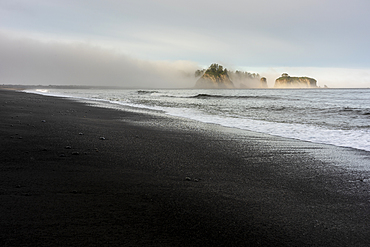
(30,62)
(338,117)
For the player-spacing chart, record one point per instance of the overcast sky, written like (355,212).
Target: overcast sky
(157,43)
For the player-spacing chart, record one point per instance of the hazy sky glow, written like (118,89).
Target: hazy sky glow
(135,43)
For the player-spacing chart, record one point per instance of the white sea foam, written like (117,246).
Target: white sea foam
(48,93)
(358,139)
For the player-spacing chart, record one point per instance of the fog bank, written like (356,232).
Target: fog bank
(31,62)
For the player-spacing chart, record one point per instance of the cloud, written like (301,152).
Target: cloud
(29,61)
(315,33)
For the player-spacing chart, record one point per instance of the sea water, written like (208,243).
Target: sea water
(338,117)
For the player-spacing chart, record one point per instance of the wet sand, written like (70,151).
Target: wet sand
(76,175)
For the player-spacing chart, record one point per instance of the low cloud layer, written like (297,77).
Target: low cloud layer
(30,62)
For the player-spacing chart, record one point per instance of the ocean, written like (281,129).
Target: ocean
(339,117)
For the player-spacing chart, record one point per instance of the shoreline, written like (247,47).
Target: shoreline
(160,181)
(340,136)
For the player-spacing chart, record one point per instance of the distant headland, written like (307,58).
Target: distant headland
(216,76)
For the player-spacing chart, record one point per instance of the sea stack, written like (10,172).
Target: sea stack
(263,82)
(286,81)
(215,77)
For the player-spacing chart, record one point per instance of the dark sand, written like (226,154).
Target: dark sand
(162,181)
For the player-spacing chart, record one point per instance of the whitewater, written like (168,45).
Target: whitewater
(339,117)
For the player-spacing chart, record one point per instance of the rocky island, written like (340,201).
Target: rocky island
(218,77)
(286,81)
(214,77)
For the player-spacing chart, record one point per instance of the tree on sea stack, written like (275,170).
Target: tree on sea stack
(214,77)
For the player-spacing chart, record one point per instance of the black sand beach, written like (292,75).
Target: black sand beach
(161,181)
